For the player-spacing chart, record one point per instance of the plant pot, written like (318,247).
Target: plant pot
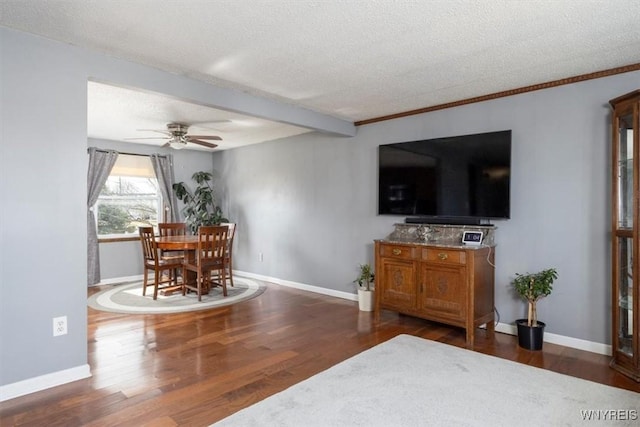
(530,337)
(365,300)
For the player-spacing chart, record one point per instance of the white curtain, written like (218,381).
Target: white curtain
(100,164)
(163,167)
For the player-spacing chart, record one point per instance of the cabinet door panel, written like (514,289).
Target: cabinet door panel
(398,285)
(443,291)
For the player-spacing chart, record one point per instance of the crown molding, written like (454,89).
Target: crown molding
(510,92)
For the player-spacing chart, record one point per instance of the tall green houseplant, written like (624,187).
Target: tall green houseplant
(532,287)
(200,206)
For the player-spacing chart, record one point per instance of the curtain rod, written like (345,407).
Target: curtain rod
(128,154)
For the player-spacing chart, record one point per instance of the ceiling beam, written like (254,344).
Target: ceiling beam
(143,78)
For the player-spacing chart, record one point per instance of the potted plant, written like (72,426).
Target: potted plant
(532,287)
(365,290)
(200,206)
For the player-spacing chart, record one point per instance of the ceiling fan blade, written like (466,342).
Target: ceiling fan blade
(211,137)
(203,143)
(155,130)
(149,137)
(168,144)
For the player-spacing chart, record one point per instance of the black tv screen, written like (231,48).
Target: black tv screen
(455,177)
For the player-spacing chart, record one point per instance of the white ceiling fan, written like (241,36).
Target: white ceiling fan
(177,137)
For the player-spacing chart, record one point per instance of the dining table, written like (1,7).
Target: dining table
(186,243)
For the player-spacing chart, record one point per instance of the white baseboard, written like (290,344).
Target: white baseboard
(288,283)
(32,385)
(118,280)
(576,343)
(297,285)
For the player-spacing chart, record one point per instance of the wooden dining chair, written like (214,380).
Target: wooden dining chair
(228,262)
(172,229)
(152,261)
(209,257)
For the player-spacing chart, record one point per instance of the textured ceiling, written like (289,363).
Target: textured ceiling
(121,114)
(350,59)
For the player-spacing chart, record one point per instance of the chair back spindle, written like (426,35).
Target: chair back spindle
(210,256)
(152,262)
(148,241)
(228,269)
(212,244)
(172,229)
(167,229)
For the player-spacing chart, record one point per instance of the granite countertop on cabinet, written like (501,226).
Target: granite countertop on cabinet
(443,236)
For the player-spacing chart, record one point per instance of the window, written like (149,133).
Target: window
(130,198)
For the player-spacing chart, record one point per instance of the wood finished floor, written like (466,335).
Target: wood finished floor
(193,369)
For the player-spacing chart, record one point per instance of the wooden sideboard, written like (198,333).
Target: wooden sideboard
(446,284)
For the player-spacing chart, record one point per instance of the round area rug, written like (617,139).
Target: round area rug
(127,298)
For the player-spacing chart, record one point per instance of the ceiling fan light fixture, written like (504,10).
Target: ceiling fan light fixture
(177,138)
(177,144)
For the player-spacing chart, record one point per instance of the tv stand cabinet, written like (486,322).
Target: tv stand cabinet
(441,281)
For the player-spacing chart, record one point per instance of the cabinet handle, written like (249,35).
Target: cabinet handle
(443,256)
(396,251)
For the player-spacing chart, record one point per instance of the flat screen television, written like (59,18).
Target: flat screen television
(459,179)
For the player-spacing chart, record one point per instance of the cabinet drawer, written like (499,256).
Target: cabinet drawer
(398,251)
(448,256)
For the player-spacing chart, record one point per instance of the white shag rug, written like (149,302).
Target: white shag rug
(410,381)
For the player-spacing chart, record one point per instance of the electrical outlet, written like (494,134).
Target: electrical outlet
(261,257)
(59,326)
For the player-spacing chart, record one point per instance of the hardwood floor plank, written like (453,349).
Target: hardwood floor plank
(192,369)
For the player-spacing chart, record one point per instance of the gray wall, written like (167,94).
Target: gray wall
(123,259)
(43,167)
(308,203)
(43,162)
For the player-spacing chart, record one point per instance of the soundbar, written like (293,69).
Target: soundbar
(444,220)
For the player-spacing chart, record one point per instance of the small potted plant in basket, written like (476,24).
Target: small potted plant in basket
(531,287)
(365,288)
